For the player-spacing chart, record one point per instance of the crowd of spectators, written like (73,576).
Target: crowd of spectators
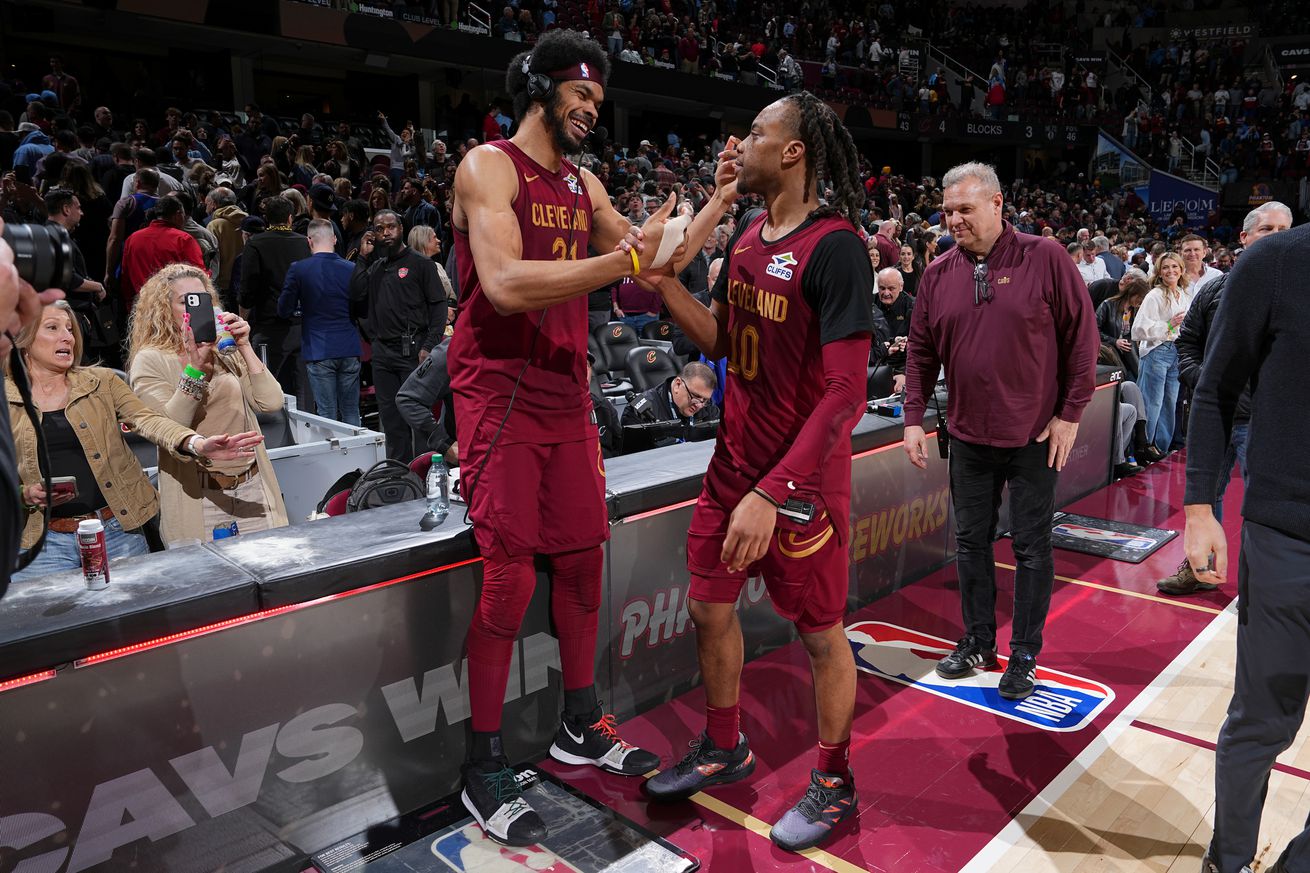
(295,233)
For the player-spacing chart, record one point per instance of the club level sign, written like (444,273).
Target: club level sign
(1060,701)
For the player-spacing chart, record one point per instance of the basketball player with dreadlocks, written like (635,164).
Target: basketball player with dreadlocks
(524,218)
(792,310)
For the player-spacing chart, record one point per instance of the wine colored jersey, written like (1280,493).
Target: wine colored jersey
(488,351)
(786,299)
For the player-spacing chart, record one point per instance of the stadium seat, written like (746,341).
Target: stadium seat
(615,340)
(880,381)
(658,330)
(648,367)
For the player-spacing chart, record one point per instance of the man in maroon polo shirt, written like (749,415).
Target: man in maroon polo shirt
(1007,314)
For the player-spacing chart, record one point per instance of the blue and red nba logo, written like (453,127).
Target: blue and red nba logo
(468,848)
(1061,701)
(1103,535)
(585,70)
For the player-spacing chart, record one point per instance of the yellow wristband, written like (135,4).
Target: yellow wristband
(636,264)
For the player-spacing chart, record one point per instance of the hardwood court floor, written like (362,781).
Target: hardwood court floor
(946,785)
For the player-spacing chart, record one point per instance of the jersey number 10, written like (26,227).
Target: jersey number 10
(744,352)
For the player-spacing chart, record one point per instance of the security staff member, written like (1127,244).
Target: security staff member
(399,292)
(685,398)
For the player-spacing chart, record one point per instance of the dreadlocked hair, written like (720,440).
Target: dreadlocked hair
(830,154)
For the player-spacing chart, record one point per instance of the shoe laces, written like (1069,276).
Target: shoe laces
(605,726)
(505,788)
(1021,664)
(689,760)
(817,798)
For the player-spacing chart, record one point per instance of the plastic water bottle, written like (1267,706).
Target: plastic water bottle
(226,344)
(438,494)
(223,531)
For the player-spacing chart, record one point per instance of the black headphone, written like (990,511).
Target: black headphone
(540,86)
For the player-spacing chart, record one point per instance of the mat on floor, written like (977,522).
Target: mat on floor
(1117,540)
(585,837)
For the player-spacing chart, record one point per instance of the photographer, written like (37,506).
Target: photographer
(81,414)
(684,398)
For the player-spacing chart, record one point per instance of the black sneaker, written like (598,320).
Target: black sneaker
(704,765)
(496,801)
(1020,674)
(968,654)
(598,744)
(827,802)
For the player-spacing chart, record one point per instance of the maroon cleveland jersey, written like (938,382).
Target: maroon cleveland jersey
(786,298)
(488,351)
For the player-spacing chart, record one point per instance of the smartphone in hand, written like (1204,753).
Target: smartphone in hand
(200,307)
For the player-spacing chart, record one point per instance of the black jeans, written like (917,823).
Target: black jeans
(978,473)
(390,370)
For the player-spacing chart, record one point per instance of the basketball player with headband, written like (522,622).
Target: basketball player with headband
(532,473)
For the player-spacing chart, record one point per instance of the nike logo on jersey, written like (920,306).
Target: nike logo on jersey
(740,250)
(531,178)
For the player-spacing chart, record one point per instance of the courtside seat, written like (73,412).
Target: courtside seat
(615,340)
(648,367)
(658,330)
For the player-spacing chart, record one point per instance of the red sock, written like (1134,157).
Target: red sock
(836,758)
(723,725)
(575,586)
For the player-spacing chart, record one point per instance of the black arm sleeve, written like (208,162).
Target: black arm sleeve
(838,284)
(720,290)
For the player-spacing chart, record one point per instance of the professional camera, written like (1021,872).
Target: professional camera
(43,254)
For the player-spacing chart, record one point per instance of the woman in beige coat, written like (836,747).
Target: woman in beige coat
(80,411)
(199,387)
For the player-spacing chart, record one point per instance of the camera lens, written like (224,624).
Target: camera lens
(43,254)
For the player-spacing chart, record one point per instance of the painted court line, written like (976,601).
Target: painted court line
(1011,835)
(762,828)
(1206,744)
(1127,593)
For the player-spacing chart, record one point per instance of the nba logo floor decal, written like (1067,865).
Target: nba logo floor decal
(470,849)
(1061,702)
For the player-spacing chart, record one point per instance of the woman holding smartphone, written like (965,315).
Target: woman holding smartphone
(93,472)
(195,385)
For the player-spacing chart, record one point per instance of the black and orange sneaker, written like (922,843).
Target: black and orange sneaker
(827,802)
(595,740)
(704,765)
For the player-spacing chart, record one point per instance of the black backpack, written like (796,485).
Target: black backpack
(385,482)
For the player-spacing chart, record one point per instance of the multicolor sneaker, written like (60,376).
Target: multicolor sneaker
(496,801)
(969,654)
(598,744)
(827,802)
(703,766)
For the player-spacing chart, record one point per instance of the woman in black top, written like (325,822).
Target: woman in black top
(910,268)
(1114,320)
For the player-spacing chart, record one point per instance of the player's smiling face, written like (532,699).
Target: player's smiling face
(573,112)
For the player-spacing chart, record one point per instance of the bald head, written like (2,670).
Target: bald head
(712,275)
(890,285)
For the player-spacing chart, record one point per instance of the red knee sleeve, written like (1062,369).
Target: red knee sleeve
(507,585)
(575,606)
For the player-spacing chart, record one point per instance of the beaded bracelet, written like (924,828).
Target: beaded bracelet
(192,385)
